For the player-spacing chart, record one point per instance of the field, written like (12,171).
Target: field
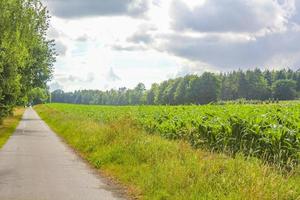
(9,125)
(211,152)
(269,132)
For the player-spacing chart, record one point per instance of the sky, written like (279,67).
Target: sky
(105,44)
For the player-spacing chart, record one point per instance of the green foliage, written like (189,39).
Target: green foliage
(38,96)
(10,124)
(192,89)
(26,56)
(204,89)
(285,89)
(155,168)
(269,132)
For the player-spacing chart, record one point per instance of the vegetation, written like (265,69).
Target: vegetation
(112,139)
(26,56)
(9,125)
(270,132)
(193,89)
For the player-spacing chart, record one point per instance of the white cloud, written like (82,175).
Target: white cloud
(173,38)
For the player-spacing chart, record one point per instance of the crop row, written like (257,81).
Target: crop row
(269,132)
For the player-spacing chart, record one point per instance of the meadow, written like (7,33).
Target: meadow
(188,152)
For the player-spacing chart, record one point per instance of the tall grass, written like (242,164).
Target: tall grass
(155,168)
(9,125)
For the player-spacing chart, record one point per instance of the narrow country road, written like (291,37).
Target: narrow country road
(36,165)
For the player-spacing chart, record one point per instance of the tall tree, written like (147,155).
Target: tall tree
(285,89)
(26,56)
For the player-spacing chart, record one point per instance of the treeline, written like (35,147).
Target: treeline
(26,56)
(194,89)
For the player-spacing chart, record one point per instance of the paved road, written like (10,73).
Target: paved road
(36,165)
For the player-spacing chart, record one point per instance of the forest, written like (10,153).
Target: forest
(26,55)
(194,89)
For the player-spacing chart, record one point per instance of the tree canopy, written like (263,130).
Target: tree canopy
(194,89)
(26,56)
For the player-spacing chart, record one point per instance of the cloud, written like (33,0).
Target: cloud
(61,48)
(140,37)
(210,35)
(82,38)
(118,47)
(296,12)
(143,35)
(228,16)
(188,68)
(112,76)
(52,33)
(91,8)
(55,86)
(141,40)
(90,77)
(67,78)
(232,54)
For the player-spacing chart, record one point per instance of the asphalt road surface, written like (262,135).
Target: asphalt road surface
(36,165)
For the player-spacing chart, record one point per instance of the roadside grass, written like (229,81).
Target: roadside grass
(9,125)
(151,167)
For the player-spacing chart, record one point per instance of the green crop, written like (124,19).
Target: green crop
(269,132)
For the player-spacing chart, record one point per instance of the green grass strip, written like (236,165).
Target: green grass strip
(9,125)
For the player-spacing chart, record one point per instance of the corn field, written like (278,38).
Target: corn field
(270,132)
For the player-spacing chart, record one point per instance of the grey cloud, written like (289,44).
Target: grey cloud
(55,86)
(185,70)
(228,16)
(112,76)
(65,78)
(82,38)
(229,54)
(90,8)
(140,37)
(72,78)
(90,77)
(61,48)
(118,47)
(296,15)
(52,33)
(143,35)
(194,68)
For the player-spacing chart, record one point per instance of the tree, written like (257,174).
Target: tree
(57,96)
(252,85)
(268,76)
(205,89)
(151,94)
(284,89)
(138,94)
(38,96)
(160,97)
(26,56)
(229,86)
(257,86)
(182,94)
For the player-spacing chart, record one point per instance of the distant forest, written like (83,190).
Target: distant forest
(193,89)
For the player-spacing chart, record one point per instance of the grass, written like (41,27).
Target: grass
(9,125)
(151,167)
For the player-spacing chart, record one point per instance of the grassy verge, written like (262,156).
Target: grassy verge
(9,125)
(155,168)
